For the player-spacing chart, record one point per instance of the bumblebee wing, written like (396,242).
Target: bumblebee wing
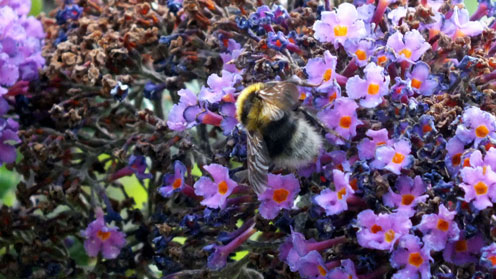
(277,98)
(258,162)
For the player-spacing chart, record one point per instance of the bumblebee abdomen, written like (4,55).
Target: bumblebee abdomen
(301,148)
(278,134)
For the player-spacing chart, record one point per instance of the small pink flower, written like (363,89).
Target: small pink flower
(393,158)
(338,26)
(280,194)
(215,192)
(100,238)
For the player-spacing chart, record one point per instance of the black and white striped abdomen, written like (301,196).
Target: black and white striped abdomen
(292,142)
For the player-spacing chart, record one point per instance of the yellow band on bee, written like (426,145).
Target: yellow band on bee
(244,95)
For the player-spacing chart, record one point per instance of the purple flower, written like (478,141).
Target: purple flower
(228,111)
(330,94)
(412,258)
(183,115)
(173,182)
(312,266)
(409,47)
(219,87)
(322,70)
(476,126)
(21,7)
(218,258)
(438,228)
(100,238)
(479,186)
(339,25)
(278,41)
(381,231)
(453,160)
(488,258)
(361,50)
(459,25)
(228,58)
(334,202)
(215,192)
(136,165)
(420,81)
(393,158)
(367,147)
(425,126)
(345,271)
(371,89)
(20,44)
(397,14)
(463,251)
(296,246)
(342,118)
(410,194)
(280,193)
(8,137)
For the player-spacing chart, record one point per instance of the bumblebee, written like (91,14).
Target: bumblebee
(277,132)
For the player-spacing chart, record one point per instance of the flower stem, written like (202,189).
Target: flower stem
(481,11)
(350,68)
(326,244)
(379,12)
(235,243)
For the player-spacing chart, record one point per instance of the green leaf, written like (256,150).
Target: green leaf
(36,7)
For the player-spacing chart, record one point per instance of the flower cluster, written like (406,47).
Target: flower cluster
(20,59)
(143,95)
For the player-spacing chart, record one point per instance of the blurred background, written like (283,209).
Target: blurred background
(9,179)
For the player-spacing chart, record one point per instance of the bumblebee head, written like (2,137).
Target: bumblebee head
(245,102)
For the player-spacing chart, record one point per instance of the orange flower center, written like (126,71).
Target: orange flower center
(280,195)
(327,75)
(322,270)
(381,59)
(222,187)
(407,199)
(361,55)
(345,122)
(398,158)
(461,246)
(373,89)
(103,235)
(457,159)
(459,34)
(442,225)
(380,143)
(415,259)
(389,236)
(492,259)
(406,52)
(177,183)
(375,228)
(481,131)
(416,83)
(341,193)
(426,128)
(278,43)
(466,162)
(332,97)
(480,188)
(340,30)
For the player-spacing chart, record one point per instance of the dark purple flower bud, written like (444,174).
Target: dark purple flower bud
(70,12)
(120,91)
